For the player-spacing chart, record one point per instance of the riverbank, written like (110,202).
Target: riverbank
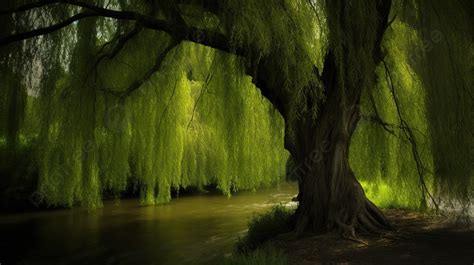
(417,239)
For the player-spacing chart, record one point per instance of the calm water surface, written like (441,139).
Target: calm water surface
(198,229)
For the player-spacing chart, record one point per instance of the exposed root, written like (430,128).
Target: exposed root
(365,225)
(372,220)
(378,215)
(368,219)
(348,232)
(357,240)
(301,224)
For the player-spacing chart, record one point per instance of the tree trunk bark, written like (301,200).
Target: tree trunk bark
(330,197)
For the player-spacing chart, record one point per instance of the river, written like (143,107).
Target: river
(193,229)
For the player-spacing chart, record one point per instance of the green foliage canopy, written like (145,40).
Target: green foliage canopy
(111,102)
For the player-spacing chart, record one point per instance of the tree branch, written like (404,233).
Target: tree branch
(168,103)
(157,66)
(377,117)
(45,3)
(43,31)
(120,43)
(209,5)
(180,32)
(411,138)
(27,7)
(203,90)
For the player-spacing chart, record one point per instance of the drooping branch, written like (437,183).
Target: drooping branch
(155,68)
(385,125)
(120,42)
(163,113)
(201,94)
(180,32)
(377,119)
(409,134)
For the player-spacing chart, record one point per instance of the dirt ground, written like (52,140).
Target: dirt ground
(417,239)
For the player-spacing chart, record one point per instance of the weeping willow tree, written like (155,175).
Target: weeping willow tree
(162,94)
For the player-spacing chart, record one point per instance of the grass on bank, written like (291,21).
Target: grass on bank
(265,226)
(266,256)
(252,250)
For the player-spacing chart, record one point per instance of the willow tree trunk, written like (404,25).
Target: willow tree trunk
(330,197)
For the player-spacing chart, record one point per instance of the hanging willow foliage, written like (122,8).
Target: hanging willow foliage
(417,126)
(102,121)
(197,122)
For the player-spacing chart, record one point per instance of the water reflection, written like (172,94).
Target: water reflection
(197,229)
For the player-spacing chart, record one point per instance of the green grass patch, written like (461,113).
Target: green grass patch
(266,256)
(264,227)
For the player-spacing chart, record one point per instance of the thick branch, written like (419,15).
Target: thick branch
(44,31)
(180,32)
(28,7)
(177,31)
(46,3)
(209,5)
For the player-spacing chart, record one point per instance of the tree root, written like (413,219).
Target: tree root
(348,232)
(369,220)
(357,240)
